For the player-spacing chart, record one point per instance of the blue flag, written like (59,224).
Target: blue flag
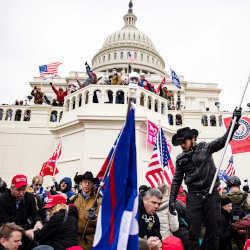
(175,79)
(223,176)
(117,224)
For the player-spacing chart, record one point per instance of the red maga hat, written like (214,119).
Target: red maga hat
(19,181)
(54,200)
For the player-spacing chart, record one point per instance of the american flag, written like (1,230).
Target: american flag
(161,168)
(130,58)
(230,171)
(175,79)
(49,70)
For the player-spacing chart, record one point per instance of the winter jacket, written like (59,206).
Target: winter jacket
(68,190)
(2,247)
(168,222)
(83,205)
(116,80)
(225,230)
(24,214)
(38,96)
(197,167)
(60,232)
(149,225)
(59,95)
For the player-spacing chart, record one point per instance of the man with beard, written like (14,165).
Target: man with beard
(19,206)
(195,164)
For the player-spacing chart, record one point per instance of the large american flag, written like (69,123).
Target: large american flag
(49,70)
(230,171)
(161,168)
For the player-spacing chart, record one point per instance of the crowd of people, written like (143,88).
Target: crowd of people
(115,78)
(59,217)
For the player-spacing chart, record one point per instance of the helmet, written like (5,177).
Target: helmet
(233,181)
(134,75)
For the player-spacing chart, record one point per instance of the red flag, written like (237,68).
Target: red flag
(241,139)
(49,167)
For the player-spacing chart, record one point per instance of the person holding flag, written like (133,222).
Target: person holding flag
(195,164)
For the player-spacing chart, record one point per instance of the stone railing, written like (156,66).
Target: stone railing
(30,113)
(118,95)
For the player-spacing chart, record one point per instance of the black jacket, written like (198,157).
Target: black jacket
(225,230)
(197,167)
(26,215)
(59,233)
(149,225)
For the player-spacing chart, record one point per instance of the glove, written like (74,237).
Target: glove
(50,83)
(86,64)
(172,208)
(237,114)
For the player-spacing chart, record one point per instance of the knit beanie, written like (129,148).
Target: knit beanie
(225,201)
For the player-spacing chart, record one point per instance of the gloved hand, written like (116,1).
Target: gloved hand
(172,207)
(237,114)
(50,83)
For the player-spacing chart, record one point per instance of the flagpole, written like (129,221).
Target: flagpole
(228,139)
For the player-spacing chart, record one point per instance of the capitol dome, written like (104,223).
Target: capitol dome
(129,40)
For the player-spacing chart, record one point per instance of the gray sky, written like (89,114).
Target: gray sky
(204,40)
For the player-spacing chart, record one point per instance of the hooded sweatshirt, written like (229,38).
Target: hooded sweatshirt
(68,191)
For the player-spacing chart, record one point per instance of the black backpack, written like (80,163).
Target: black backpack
(238,210)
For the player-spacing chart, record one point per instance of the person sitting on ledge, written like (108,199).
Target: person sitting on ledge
(59,95)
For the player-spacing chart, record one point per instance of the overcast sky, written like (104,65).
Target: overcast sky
(204,40)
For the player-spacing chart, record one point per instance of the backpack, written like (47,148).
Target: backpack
(238,210)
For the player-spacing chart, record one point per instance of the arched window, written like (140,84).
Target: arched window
(60,116)
(27,115)
(204,120)
(135,55)
(142,97)
(99,59)
(134,36)
(96,96)
(1,114)
(163,108)
(119,36)
(156,106)
(170,119)
(147,58)
(121,55)
(141,57)
(220,121)
(80,100)
(119,97)
(73,103)
(153,60)
(115,56)
(213,120)
(18,115)
(109,57)
(178,119)
(86,97)
(53,116)
(149,102)
(110,96)
(128,36)
(8,115)
(103,58)
(123,36)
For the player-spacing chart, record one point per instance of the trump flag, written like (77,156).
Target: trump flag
(241,139)
(152,131)
(117,224)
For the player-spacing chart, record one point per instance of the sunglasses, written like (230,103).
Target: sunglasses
(38,185)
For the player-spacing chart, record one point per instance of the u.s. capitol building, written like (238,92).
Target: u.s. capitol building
(29,133)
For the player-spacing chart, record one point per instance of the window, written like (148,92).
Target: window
(103,58)
(53,116)
(60,116)
(142,99)
(147,58)
(178,119)
(170,119)
(109,57)
(119,97)
(204,120)
(1,114)
(8,115)
(121,55)
(18,115)
(141,57)
(27,115)
(115,56)
(220,121)
(149,102)
(135,55)
(213,120)
(80,101)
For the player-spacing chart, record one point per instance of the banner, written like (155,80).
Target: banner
(152,131)
(241,139)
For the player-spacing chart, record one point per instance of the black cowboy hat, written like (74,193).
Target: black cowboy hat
(183,134)
(86,176)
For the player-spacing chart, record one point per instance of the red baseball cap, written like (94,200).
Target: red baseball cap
(19,181)
(54,200)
